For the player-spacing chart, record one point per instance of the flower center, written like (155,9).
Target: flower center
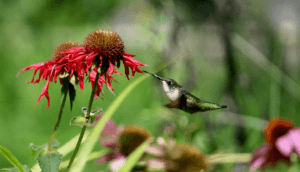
(276,128)
(105,42)
(184,157)
(131,138)
(62,47)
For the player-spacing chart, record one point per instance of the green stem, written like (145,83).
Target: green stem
(84,126)
(63,100)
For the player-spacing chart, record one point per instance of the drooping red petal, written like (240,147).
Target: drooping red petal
(45,93)
(128,61)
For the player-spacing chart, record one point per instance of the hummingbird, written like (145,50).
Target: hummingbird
(182,99)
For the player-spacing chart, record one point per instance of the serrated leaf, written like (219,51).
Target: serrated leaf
(134,157)
(49,162)
(55,144)
(34,148)
(27,169)
(79,121)
(11,158)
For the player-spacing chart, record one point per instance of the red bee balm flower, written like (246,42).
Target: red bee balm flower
(281,139)
(64,64)
(105,47)
(102,50)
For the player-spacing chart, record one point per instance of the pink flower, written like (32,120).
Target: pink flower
(281,139)
(121,141)
(289,142)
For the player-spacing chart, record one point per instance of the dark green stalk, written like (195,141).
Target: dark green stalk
(63,100)
(84,126)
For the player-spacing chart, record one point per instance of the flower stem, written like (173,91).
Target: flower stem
(84,126)
(63,100)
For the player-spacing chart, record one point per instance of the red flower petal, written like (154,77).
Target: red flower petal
(45,93)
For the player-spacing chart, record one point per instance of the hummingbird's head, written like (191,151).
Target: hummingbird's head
(170,83)
(171,87)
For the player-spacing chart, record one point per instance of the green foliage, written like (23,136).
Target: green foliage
(34,148)
(72,90)
(31,29)
(49,162)
(80,121)
(12,159)
(27,169)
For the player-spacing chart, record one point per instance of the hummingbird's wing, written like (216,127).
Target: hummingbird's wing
(192,104)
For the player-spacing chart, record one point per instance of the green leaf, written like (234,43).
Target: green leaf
(15,169)
(79,120)
(34,148)
(93,136)
(134,157)
(64,149)
(72,90)
(93,156)
(11,158)
(55,144)
(49,162)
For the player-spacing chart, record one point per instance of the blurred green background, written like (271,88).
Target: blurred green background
(244,54)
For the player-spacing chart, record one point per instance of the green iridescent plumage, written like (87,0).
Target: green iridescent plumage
(183,100)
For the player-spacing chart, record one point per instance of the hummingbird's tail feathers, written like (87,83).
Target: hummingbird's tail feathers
(207,106)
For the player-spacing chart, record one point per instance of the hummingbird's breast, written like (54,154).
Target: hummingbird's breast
(173,94)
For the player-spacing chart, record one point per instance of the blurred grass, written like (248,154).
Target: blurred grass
(30,30)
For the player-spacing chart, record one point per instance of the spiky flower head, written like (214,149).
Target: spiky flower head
(185,158)
(131,138)
(105,48)
(107,43)
(57,54)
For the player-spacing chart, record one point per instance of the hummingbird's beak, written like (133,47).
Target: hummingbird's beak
(156,76)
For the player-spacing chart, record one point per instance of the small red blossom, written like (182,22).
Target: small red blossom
(281,139)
